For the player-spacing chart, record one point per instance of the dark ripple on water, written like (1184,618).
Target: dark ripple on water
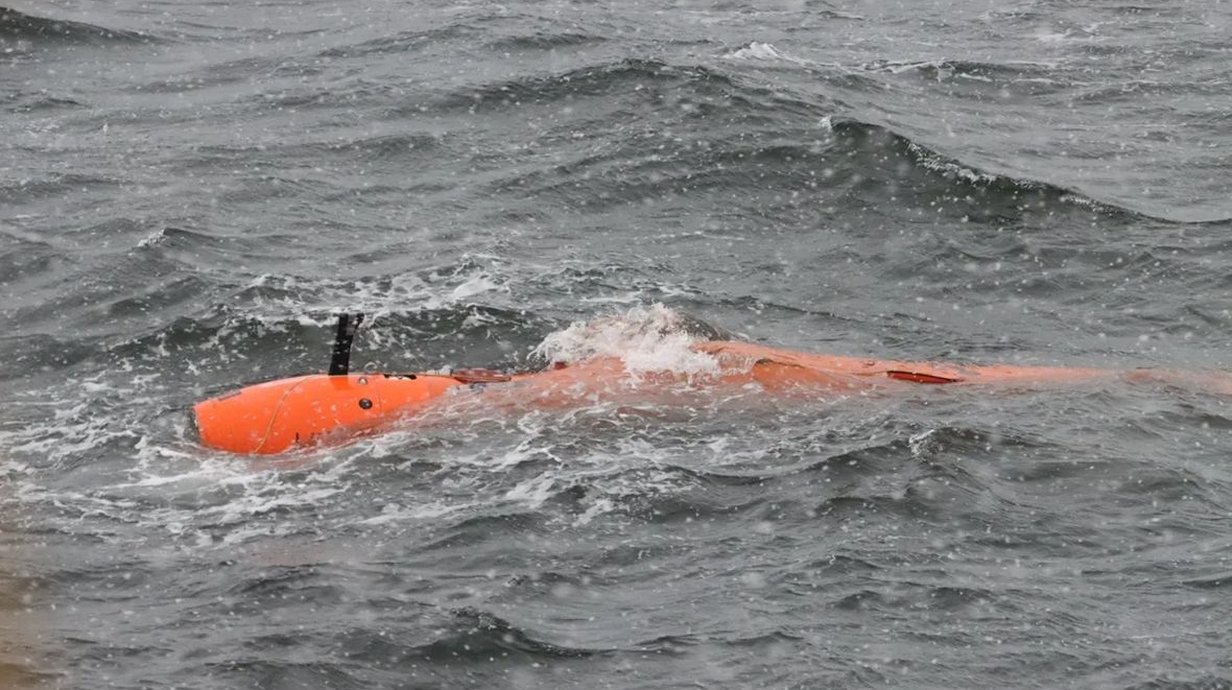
(188,196)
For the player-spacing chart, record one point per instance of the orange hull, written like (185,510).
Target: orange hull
(277,416)
(282,415)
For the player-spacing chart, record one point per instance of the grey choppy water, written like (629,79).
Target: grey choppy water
(188,189)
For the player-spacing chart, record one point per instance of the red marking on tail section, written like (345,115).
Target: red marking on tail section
(916,377)
(479,376)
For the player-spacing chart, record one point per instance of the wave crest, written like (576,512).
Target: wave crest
(19,28)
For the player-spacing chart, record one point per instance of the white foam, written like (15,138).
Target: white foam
(644,338)
(472,286)
(533,492)
(757,50)
(155,238)
(933,161)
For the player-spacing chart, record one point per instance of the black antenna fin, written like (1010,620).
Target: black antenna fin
(340,359)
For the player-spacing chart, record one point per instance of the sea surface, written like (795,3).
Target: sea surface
(189,191)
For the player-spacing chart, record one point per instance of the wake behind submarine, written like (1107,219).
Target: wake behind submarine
(314,409)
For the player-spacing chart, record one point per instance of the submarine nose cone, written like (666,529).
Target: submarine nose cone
(240,421)
(220,428)
(283,415)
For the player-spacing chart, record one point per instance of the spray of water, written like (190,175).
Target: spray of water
(653,338)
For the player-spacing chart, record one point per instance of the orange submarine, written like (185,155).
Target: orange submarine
(305,411)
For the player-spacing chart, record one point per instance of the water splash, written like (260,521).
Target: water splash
(653,338)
